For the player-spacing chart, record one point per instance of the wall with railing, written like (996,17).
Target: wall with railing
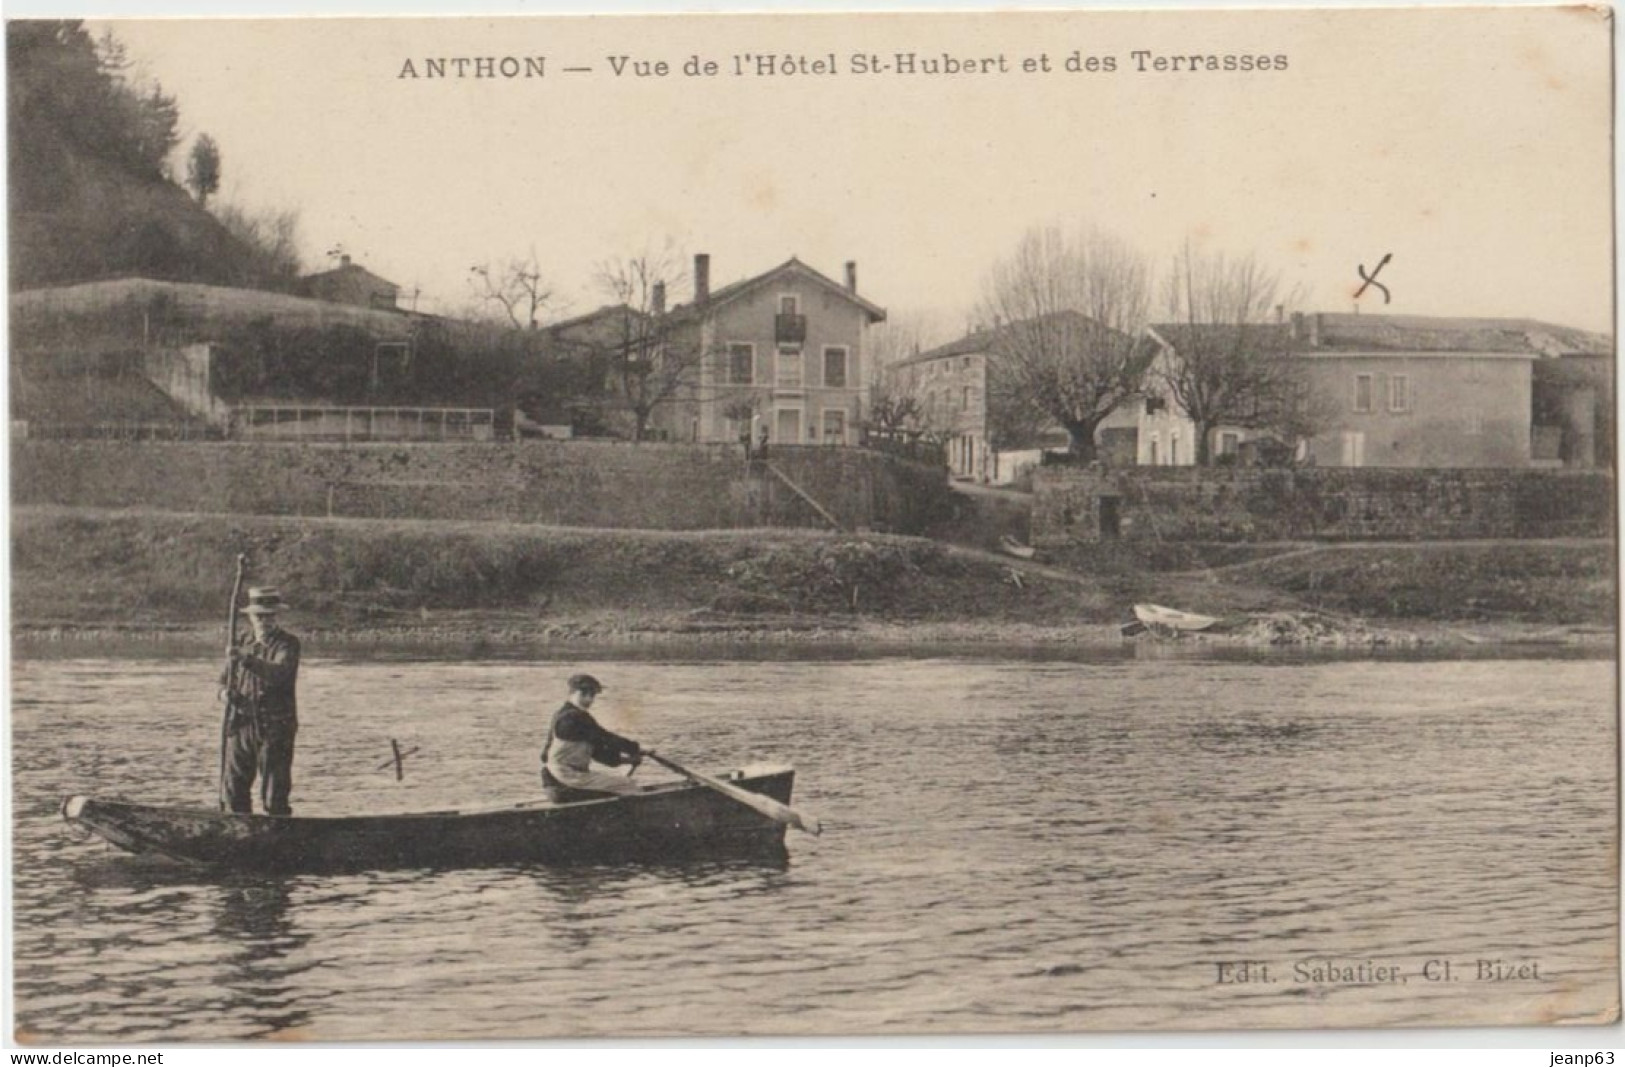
(304,422)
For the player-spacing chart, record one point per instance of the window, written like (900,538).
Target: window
(741,363)
(1154,450)
(834,426)
(1229,444)
(964,399)
(1362,392)
(1173,449)
(789,367)
(835,367)
(789,305)
(1399,392)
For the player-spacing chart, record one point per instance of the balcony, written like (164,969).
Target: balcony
(789,329)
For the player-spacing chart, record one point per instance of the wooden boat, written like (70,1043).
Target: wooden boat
(1015,548)
(665,822)
(1155,615)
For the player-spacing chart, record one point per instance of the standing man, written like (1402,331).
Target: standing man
(574,740)
(264,714)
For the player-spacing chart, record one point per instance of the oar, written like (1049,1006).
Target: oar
(783,814)
(231,673)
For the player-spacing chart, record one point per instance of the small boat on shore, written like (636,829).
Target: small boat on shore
(1155,616)
(1015,548)
(665,822)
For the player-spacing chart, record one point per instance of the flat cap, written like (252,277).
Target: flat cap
(586,683)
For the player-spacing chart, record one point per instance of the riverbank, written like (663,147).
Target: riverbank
(86,575)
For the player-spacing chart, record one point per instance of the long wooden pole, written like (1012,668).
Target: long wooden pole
(231,676)
(779,813)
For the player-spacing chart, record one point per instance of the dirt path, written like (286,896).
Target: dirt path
(1298,549)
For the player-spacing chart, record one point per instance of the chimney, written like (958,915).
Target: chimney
(657,299)
(344,260)
(852,276)
(1315,325)
(1297,326)
(702,278)
(1280,314)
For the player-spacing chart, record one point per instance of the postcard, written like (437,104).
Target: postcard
(812,525)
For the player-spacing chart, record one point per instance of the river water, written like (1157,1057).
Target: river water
(1053,845)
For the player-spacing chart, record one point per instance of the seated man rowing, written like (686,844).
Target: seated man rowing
(575,740)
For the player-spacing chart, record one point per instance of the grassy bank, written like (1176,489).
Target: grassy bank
(80,566)
(77,570)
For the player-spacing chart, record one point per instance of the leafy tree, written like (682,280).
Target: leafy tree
(60,82)
(203,168)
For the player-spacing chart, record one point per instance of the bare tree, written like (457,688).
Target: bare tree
(891,413)
(1013,421)
(1232,363)
(1067,315)
(273,236)
(516,287)
(656,356)
(905,333)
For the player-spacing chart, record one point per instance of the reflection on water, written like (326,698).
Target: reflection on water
(1037,844)
(254,920)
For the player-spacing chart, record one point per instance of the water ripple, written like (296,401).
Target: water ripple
(1010,846)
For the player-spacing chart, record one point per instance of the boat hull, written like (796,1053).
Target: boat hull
(1171,618)
(664,823)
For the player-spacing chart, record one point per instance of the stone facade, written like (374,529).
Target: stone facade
(1074,506)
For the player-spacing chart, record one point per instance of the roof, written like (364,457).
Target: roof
(1222,333)
(734,290)
(984,339)
(1426,333)
(348,270)
(606,313)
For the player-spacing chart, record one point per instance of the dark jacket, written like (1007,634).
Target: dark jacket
(571,723)
(265,678)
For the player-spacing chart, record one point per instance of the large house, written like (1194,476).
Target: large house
(787,343)
(953,385)
(351,283)
(1389,391)
(1417,391)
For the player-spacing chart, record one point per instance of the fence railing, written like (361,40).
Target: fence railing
(290,421)
(905,446)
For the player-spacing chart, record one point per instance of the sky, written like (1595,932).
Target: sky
(1471,146)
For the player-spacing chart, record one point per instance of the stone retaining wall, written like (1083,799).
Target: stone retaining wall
(1188,504)
(569,483)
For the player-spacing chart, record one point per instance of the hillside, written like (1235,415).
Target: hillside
(86,157)
(103,222)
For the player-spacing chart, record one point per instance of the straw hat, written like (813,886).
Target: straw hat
(263,600)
